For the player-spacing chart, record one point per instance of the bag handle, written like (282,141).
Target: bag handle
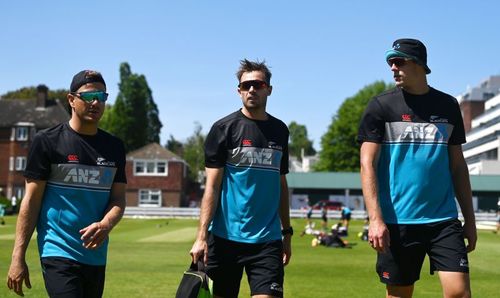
(199,266)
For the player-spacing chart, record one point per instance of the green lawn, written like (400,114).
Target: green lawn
(147,259)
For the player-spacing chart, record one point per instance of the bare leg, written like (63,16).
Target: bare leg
(399,291)
(455,284)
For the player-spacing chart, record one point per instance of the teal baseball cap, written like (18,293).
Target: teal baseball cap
(411,49)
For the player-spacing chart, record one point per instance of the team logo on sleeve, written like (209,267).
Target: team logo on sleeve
(274,145)
(73,158)
(406,117)
(101,161)
(435,119)
(246,142)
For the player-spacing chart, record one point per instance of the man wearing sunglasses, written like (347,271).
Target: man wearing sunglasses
(412,168)
(75,195)
(244,220)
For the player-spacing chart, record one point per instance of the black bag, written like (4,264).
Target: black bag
(195,283)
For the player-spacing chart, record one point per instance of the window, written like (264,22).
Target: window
(150,168)
(22,133)
(149,198)
(18,192)
(161,167)
(20,163)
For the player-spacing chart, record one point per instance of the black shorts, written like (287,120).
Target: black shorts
(442,241)
(67,278)
(346,216)
(263,263)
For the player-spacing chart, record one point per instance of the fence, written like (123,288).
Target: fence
(180,212)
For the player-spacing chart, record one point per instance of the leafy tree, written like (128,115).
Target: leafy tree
(105,122)
(194,153)
(339,148)
(31,92)
(175,146)
(299,141)
(135,117)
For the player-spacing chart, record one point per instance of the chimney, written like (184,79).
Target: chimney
(42,94)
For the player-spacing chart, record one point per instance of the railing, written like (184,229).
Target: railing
(180,212)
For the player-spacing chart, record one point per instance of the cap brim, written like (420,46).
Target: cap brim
(397,54)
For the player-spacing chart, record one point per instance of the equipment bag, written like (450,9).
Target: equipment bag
(195,283)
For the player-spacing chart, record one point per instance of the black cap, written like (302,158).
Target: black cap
(84,77)
(409,48)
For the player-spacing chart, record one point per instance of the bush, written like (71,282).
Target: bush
(4,201)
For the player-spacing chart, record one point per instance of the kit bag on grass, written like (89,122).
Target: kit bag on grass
(195,283)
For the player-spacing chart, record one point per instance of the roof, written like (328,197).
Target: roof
(153,151)
(324,180)
(339,180)
(13,111)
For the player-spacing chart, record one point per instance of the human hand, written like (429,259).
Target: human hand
(94,235)
(287,249)
(470,233)
(18,272)
(378,236)
(199,250)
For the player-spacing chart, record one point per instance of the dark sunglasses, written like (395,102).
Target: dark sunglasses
(256,84)
(397,61)
(100,96)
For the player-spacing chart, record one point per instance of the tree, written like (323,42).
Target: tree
(175,146)
(134,117)
(31,92)
(194,153)
(299,141)
(339,148)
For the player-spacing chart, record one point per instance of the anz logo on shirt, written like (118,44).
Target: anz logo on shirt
(83,176)
(251,156)
(263,157)
(434,132)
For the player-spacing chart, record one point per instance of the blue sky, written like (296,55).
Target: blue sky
(320,52)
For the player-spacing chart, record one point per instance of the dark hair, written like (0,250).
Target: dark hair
(248,66)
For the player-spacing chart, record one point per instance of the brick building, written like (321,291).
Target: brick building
(20,119)
(156,177)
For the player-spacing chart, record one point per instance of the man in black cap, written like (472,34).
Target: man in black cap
(75,195)
(412,168)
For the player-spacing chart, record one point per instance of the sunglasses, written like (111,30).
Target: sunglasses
(397,61)
(256,84)
(100,96)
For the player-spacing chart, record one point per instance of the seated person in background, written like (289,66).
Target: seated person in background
(329,240)
(339,229)
(364,235)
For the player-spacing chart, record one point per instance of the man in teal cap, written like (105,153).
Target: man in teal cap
(412,169)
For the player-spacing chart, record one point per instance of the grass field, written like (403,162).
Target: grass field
(148,256)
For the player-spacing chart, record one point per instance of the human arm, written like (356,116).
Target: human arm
(463,193)
(378,234)
(209,204)
(96,233)
(285,220)
(26,223)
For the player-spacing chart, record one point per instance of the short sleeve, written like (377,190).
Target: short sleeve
(284,159)
(215,148)
(120,176)
(458,134)
(38,164)
(372,125)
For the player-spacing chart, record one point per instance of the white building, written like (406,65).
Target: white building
(481,151)
(472,101)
